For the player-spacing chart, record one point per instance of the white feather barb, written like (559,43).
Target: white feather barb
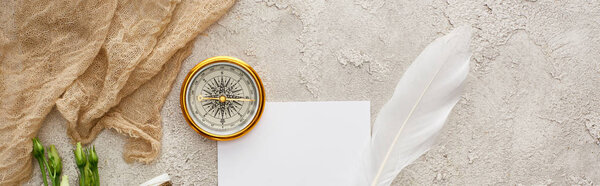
(408,124)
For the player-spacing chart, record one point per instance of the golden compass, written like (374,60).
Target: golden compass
(222,98)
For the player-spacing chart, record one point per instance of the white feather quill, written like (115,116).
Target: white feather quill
(408,124)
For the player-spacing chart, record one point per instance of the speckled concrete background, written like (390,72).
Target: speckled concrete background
(530,113)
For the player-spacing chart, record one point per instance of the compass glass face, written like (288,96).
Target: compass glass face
(222,98)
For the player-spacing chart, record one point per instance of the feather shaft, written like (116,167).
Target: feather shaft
(387,155)
(422,101)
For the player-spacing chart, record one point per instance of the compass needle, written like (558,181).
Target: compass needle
(240,99)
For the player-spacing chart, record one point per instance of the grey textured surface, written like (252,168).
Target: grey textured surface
(530,113)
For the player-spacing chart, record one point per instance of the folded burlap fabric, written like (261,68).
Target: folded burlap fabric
(113,62)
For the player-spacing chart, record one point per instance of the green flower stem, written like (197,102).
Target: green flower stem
(89,178)
(55,165)
(96,177)
(38,153)
(81,177)
(87,162)
(47,168)
(42,168)
(93,161)
(81,161)
(56,180)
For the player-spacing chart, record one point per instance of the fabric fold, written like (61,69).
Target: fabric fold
(88,100)
(133,33)
(144,130)
(44,47)
(113,77)
(106,59)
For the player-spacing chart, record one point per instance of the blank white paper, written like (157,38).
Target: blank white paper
(298,143)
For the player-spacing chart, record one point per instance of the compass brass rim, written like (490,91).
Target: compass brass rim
(218,59)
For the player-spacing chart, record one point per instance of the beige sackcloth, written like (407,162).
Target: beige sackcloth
(105,64)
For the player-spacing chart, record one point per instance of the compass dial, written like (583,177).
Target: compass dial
(223,98)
